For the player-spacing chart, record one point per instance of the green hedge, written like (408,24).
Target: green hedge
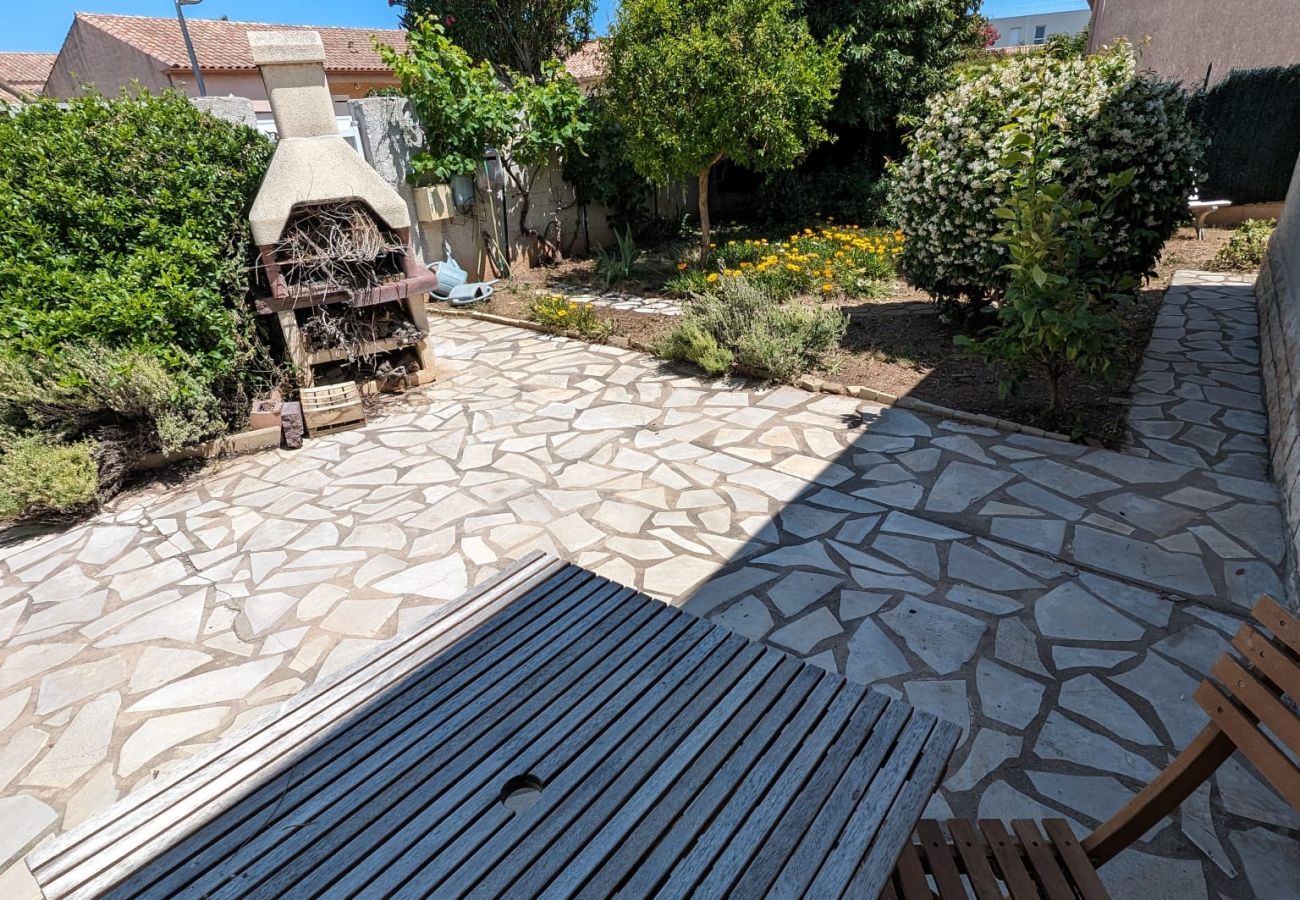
(1251,122)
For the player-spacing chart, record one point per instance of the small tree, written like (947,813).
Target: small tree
(461,106)
(547,128)
(895,53)
(513,35)
(693,82)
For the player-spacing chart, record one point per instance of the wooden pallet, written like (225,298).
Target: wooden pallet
(332,407)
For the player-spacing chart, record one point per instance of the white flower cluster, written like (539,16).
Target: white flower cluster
(1107,118)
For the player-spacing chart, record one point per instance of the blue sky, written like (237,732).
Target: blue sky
(39,25)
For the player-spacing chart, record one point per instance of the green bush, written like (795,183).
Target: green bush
(1251,125)
(691,343)
(756,330)
(853,194)
(619,265)
(1245,250)
(40,479)
(1107,119)
(558,312)
(124,253)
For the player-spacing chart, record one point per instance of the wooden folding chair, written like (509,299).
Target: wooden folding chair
(1251,709)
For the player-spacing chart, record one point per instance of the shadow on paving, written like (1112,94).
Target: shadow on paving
(1073,687)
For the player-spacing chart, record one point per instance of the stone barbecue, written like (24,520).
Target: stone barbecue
(333,237)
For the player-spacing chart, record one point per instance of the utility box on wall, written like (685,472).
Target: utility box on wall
(434,204)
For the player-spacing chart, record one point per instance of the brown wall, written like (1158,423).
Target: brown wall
(1188,35)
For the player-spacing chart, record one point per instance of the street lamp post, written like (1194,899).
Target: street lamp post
(189,45)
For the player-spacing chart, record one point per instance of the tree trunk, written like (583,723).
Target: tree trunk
(704,215)
(1054,374)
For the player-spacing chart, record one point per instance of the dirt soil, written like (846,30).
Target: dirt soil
(901,344)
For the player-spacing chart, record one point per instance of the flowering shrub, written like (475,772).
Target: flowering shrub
(558,312)
(829,261)
(1107,118)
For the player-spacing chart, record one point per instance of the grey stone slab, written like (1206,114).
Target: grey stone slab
(945,700)
(1245,794)
(1068,480)
(1070,612)
(1195,646)
(807,631)
(1090,698)
(1045,500)
(1258,525)
(943,637)
(1182,572)
(1044,535)
(902,523)
(1134,469)
(1009,697)
(1197,819)
(1016,645)
(989,750)
(856,604)
(1147,513)
(872,656)
(1088,658)
(1271,861)
(1134,873)
(748,617)
(725,587)
(970,565)
(799,589)
(1142,604)
(1166,688)
(1001,801)
(808,521)
(1097,796)
(915,554)
(984,601)
(1062,738)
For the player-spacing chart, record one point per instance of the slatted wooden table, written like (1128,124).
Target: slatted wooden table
(550,734)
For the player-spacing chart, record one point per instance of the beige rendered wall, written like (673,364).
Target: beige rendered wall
(89,56)
(1277,292)
(1186,36)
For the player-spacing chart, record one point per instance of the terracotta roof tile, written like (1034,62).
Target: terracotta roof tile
(587,62)
(27,71)
(223,45)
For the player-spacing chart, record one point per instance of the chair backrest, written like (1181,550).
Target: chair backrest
(1253,710)
(1258,711)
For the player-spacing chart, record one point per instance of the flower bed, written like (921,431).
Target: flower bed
(831,260)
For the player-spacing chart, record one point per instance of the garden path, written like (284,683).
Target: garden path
(1058,602)
(1197,398)
(620,301)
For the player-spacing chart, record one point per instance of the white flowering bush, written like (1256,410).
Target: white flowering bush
(1107,118)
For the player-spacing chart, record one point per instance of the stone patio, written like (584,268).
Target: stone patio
(1059,602)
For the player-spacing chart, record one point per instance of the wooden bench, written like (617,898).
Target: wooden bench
(551,732)
(1251,709)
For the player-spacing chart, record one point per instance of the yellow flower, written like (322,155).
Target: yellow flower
(561,313)
(828,287)
(682,267)
(713,276)
(745,265)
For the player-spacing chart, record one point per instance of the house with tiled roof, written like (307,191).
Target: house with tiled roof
(111,52)
(23,74)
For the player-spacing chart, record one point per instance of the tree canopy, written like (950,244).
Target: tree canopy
(519,35)
(896,53)
(693,82)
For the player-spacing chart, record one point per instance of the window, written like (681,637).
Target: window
(1040,34)
(1013,37)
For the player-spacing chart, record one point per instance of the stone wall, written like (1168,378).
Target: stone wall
(1278,294)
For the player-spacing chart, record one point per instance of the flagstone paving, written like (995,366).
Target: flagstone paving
(1058,602)
(1198,398)
(620,301)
